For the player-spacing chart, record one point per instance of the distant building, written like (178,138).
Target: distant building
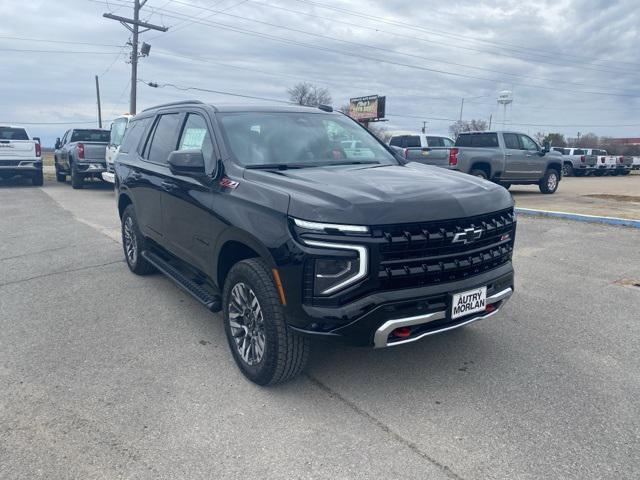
(626,141)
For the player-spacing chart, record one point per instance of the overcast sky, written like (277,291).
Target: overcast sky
(424,56)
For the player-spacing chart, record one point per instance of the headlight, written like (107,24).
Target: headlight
(333,274)
(323,227)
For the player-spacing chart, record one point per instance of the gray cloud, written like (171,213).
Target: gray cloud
(593,43)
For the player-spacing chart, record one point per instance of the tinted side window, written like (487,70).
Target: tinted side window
(479,140)
(396,141)
(413,141)
(195,135)
(511,141)
(435,141)
(578,151)
(133,134)
(447,142)
(164,138)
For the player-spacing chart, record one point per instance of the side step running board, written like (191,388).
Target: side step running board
(212,301)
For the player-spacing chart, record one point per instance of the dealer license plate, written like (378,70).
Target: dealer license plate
(471,301)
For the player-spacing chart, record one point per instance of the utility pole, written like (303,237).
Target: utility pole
(99,107)
(461,107)
(490,118)
(133,25)
(424,127)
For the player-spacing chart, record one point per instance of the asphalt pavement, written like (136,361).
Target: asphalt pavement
(106,375)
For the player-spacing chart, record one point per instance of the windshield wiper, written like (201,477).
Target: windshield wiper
(277,166)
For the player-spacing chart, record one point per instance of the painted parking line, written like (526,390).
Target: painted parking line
(580,217)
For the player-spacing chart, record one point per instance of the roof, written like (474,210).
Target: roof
(242,108)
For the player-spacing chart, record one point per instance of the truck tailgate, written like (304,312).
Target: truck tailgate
(94,151)
(437,156)
(17,148)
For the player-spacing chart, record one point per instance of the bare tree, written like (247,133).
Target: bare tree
(539,137)
(555,139)
(305,93)
(380,131)
(588,140)
(468,126)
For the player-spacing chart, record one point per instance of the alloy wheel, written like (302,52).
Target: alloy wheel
(246,320)
(130,241)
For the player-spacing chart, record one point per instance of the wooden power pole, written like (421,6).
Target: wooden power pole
(133,25)
(99,106)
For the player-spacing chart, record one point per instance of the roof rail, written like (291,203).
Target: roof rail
(325,108)
(171,104)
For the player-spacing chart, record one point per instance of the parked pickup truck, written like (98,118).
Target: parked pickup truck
(20,156)
(575,161)
(624,165)
(80,154)
(116,134)
(635,165)
(605,163)
(263,214)
(503,157)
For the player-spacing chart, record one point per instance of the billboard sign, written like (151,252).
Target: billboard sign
(367,108)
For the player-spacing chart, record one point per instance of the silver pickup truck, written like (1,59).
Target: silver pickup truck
(576,162)
(81,154)
(504,157)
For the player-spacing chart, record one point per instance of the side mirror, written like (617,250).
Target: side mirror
(546,146)
(189,163)
(58,144)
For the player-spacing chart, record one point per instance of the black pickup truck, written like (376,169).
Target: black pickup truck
(262,212)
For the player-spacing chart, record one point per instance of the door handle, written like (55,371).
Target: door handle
(136,175)
(168,186)
(508,154)
(528,155)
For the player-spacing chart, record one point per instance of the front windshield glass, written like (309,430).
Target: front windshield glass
(300,139)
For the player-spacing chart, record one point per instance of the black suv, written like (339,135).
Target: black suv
(273,216)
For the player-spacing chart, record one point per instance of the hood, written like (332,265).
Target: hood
(370,195)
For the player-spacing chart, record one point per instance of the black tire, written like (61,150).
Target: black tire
(38,179)
(579,174)
(476,172)
(567,170)
(549,182)
(626,172)
(60,177)
(133,238)
(506,185)
(284,351)
(77,180)
(599,173)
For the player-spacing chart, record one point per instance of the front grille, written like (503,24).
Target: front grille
(420,254)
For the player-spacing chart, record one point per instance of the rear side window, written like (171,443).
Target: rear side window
(396,141)
(413,141)
(163,141)
(10,133)
(436,142)
(133,134)
(578,151)
(511,141)
(90,136)
(479,140)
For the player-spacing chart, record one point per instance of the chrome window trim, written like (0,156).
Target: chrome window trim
(363,259)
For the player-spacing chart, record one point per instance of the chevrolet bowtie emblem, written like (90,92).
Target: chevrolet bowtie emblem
(468,235)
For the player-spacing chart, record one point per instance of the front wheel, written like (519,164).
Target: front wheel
(134,243)
(506,185)
(265,349)
(549,182)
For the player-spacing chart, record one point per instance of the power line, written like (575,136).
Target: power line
(387,50)
(198,89)
(442,33)
(43,40)
(448,45)
(390,62)
(53,51)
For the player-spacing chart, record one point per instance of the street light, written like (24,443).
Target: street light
(469,98)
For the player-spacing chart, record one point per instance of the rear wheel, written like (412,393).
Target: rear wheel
(599,173)
(265,349)
(134,243)
(476,172)
(549,182)
(60,177)
(626,172)
(567,170)
(77,179)
(38,179)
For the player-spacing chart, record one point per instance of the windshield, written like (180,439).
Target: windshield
(10,133)
(90,136)
(300,139)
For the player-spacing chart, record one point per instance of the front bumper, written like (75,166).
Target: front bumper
(109,177)
(368,321)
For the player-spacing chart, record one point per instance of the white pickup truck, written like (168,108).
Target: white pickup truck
(118,127)
(20,156)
